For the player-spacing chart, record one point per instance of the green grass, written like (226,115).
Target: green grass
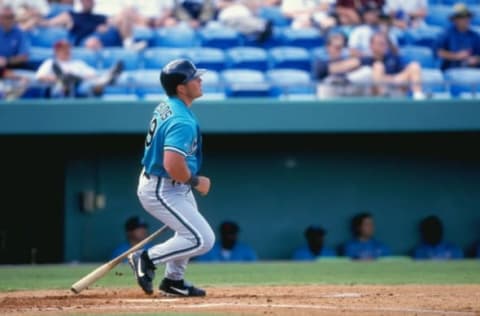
(335,271)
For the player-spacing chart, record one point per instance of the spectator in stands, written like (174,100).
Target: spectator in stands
(315,247)
(407,13)
(14,46)
(229,248)
(337,70)
(95,31)
(74,77)
(387,69)
(29,12)
(359,38)
(364,246)
(136,230)
(241,17)
(195,13)
(310,13)
(432,245)
(349,11)
(459,45)
(150,13)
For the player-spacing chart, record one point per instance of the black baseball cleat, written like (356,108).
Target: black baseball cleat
(180,288)
(144,270)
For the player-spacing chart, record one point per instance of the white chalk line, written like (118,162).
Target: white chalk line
(329,307)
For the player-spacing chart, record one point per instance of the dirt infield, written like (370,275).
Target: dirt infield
(259,300)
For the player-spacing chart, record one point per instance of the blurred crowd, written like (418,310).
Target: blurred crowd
(363,54)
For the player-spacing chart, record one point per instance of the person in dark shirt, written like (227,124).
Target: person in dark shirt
(95,31)
(364,246)
(315,247)
(387,68)
(459,45)
(14,46)
(432,245)
(229,248)
(136,230)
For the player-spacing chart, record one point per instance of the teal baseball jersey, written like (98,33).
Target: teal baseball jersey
(173,127)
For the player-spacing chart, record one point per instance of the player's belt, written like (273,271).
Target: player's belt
(146,175)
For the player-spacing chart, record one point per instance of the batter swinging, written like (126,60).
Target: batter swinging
(171,161)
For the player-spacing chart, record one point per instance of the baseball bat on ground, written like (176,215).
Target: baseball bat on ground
(99,272)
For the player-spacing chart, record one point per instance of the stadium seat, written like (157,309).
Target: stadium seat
(207,57)
(143,34)
(147,84)
(421,54)
(212,87)
(57,8)
(425,36)
(464,82)
(247,58)
(47,36)
(306,37)
(438,15)
(157,57)
(110,56)
(175,36)
(291,83)
(275,15)
(37,55)
(245,83)
(123,89)
(87,55)
(290,57)
(219,37)
(434,84)
(320,53)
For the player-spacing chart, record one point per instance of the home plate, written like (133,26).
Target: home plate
(343,295)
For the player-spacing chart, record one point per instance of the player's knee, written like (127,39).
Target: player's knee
(208,239)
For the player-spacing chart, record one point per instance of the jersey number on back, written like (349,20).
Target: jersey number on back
(151,132)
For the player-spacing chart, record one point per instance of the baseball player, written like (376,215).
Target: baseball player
(171,162)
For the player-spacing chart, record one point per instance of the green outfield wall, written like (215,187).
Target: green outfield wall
(276,167)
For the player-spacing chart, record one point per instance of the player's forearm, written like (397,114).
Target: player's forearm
(176,166)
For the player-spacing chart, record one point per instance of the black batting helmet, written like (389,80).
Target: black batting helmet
(178,71)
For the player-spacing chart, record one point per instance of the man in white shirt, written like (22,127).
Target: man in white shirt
(359,38)
(74,77)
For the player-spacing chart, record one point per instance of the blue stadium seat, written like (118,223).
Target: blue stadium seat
(37,55)
(57,8)
(175,36)
(320,53)
(306,37)
(87,55)
(421,54)
(476,13)
(245,83)
(275,15)
(207,57)
(141,33)
(291,83)
(290,57)
(425,36)
(157,57)
(219,37)
(247,58)
(212,87)
(123,89)
(147,84)
(111,55)
(47,36)
(434,84)
(464,82)
(438,15)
